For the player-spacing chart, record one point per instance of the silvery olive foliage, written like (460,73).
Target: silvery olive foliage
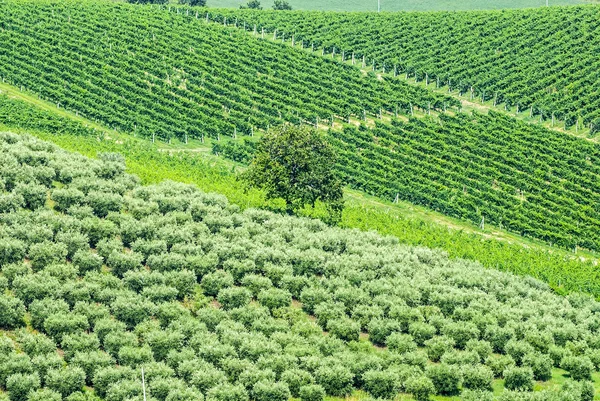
(222,304)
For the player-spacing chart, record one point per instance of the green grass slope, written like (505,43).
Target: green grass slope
(542,60)
(101,276)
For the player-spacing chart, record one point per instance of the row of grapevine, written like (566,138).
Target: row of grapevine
(141,69)
(543,60)
(21,115)
(483,167)
(224,305)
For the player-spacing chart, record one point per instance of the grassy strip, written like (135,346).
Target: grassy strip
(564,272)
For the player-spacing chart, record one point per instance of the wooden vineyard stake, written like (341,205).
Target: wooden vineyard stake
(143,384)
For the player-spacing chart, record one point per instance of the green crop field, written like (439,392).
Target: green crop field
(542,61)
(403,5)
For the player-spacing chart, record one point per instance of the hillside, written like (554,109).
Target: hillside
(539,61)
(233,305)
(565,272)
(199,79)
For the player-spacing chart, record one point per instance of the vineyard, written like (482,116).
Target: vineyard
(484,168)
(101,276)
(540,61)
(165,74)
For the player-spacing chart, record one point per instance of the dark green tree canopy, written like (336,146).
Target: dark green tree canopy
(297,164)
(252,4)
(281,5)
(200,3)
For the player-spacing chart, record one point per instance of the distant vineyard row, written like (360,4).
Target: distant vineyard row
(484,168)
(144,70)
(544,60)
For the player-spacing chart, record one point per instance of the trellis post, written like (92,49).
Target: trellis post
(143,384)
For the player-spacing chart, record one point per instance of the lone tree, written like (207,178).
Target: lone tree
(252,4)
(281,5)
(297,165)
